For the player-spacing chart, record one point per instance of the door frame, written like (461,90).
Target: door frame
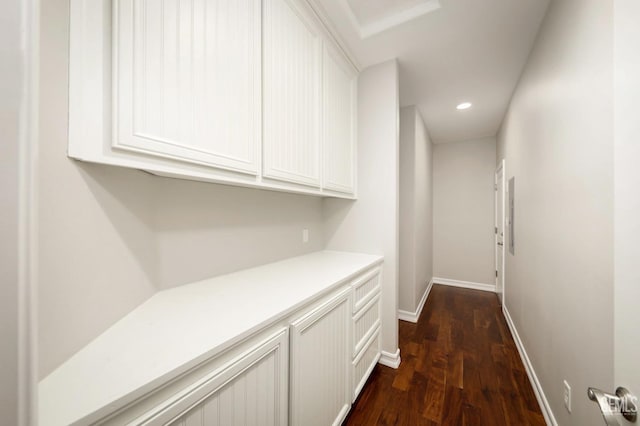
(23,72)
(626,202)
(501,168)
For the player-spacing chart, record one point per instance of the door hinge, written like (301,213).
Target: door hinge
(495,187)
(496,230)
(496,274)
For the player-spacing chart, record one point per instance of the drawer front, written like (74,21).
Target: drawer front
(365,288)
(364,363)
(365,323)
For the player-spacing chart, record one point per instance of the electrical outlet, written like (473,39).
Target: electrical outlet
(567,396)
(305,235)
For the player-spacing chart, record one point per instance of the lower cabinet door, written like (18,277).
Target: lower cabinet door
(249,390)
(320,364)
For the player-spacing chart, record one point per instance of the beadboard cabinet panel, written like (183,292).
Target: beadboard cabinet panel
(187,80)
(339,85)
(292,46)
(256,395)
(320,370)
(225,91)
(205,354)
(250,389)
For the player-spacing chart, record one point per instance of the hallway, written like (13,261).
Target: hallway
(460,366)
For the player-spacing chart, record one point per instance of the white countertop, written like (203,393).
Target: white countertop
(178,328)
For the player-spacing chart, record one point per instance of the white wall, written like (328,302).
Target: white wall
(463,211)
(557,138)
(97,248)
(370,224)
(423,208)
(111,237)
(416,208)
(205,230)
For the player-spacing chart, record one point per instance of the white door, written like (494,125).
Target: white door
(627,196)
(626,324)
(499,230)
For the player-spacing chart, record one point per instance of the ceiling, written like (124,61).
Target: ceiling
(464,50)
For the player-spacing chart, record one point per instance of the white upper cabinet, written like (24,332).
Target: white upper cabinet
(253,93)
(187,80)
(339,122)
(292,77)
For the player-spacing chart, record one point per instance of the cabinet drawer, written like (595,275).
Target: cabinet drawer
(364,363)
(365,323)
(365,288)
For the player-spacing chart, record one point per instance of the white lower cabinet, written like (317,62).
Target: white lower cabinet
(304,370)
(366,328)
(320,370)
(250,389)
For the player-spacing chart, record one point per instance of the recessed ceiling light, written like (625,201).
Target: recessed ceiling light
(464,105)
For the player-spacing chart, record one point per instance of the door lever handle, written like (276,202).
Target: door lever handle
(612,406)
(500,244)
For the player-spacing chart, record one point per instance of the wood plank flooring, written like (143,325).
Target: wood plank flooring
(460,367)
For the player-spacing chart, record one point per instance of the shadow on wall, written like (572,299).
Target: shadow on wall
(335,212)
(125,197)
(183,231)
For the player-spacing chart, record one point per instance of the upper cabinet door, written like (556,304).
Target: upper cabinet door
(291,78)
(339,122)
(187,80)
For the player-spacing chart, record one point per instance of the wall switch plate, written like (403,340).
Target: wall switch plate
(305,235)
(567,396)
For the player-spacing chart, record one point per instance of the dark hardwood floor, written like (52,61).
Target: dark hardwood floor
(460,366)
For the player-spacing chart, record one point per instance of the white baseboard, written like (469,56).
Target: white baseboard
(465,284)
(389,359)
(414,316)
(537,387)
